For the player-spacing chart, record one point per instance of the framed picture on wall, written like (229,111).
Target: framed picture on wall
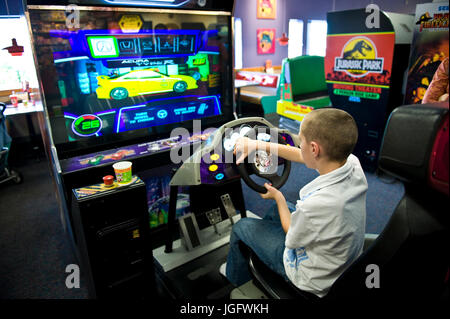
(265,41)
(266,9)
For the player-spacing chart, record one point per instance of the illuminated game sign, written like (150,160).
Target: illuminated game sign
(429,48)
(363,59)
(438,21)
(359,57)
(358,67)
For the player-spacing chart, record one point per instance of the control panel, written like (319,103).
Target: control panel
(214,162)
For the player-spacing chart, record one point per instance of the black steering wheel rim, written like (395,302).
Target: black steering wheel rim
(246,169)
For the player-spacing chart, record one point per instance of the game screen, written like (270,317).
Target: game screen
(114,74)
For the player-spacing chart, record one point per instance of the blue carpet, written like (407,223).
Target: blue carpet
(382,196)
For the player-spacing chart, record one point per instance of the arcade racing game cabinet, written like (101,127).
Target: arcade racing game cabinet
(212,168)
(116,78)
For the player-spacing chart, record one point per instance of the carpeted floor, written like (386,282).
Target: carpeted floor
(34,251)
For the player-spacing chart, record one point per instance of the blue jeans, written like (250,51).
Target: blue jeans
(265,237)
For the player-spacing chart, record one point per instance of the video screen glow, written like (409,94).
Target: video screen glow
(118,71)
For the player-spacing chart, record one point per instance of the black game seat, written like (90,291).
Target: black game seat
(412,250)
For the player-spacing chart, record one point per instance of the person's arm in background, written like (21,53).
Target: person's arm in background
(438,89)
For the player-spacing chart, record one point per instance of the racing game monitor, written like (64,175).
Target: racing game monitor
(115,76)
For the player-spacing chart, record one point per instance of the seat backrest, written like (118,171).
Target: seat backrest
(307,75)
(409,138)
(410,256)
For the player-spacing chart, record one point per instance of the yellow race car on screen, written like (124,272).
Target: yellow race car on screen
(140,82)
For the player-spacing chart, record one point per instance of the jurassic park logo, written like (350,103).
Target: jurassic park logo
(358,58)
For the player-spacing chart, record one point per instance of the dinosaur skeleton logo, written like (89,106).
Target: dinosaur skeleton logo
(358,58)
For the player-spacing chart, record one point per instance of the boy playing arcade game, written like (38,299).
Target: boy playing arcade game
(313,245)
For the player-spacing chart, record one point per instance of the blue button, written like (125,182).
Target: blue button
(220,176)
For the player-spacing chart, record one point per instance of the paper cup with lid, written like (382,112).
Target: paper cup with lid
(123,172)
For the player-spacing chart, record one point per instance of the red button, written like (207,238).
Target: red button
(108,180)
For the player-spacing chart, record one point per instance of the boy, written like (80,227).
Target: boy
(314,245)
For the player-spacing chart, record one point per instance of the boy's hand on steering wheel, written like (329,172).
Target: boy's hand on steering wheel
(272,192)
(243,147)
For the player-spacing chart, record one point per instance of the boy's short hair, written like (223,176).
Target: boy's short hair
(334,129)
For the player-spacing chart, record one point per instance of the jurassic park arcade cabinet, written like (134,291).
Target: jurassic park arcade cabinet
(365,63)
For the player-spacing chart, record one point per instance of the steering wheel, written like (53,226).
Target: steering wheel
(264,164)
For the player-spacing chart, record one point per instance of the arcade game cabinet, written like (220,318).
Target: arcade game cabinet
(116,78)
(365,65)
(429,48)
(213,167)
